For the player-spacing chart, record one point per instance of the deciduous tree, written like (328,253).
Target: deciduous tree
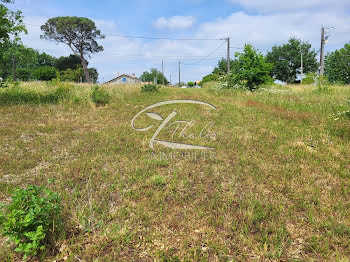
(68,62)
(154,73)
(11,23)
(251,68)
(221,68)
(287,60)
(25,58)
(337,65)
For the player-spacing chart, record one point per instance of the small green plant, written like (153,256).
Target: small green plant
(4,84)
(310,79)
(32,219)
(100,96)
(323,85)
(150,88)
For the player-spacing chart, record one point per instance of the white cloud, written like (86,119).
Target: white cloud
(125,55)
(266,30)
(175,22)
(270,6)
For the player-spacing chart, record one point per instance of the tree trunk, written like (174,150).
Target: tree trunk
(86,72)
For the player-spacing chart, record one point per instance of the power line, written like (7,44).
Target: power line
(207,55)
(155,38)
(235,47)
(166,38)
(155,56)
(148,60)
(140,55)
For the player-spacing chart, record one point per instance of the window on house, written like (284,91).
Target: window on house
(124,79)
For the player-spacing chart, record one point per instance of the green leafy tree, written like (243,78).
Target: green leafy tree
(77,75)
(93,74)
(287,60)
(24,74)
(72,75)
(25,58)
(65,62)
(46,60)
(76,71)
(45,73)
(337,65)
(79,33)
(251,68)
(221,68)
(11,23)
(154,73)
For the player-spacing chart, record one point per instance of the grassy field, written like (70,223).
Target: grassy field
(278,190)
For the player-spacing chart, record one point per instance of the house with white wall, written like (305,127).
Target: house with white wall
(125,79)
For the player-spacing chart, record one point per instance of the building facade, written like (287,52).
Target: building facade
(125,79)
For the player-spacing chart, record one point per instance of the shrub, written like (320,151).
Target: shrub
(310,79)
(63,92)
(100,96)
(150,88)
(24,74)
(190,84)
(209,78)
(73,75)
(45,73)
(32,219)
(251,69)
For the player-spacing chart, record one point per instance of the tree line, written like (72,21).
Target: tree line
(18,62)
(283,63)
(249,68)
(23,63)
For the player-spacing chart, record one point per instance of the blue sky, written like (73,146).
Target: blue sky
(260,23)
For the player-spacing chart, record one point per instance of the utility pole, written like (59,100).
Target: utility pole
(156,78)
(301,67)
(163,71)
(179,73)
(322,52)
(228,56)
(14,68)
